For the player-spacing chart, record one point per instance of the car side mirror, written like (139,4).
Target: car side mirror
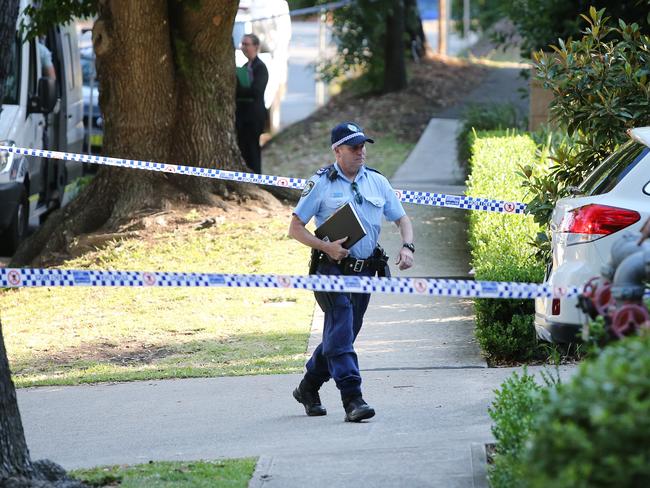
(45,101)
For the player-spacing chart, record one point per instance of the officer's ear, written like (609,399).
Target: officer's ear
(337,152)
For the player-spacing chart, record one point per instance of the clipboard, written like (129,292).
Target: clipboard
(344,222)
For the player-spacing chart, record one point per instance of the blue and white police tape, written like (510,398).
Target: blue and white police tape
(407,196)
(26,277)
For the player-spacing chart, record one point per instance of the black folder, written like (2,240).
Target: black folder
(343,222)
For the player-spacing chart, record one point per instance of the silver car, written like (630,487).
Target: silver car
(615,197)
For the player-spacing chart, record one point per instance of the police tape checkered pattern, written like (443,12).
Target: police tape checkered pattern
(26,277)
(407,196)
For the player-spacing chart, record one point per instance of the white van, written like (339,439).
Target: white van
(270,21)
(41,113)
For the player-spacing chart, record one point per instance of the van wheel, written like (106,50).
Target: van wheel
(17,230)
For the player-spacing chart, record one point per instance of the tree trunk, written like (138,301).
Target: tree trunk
(8,17)
(14,455)
(167,93)
(417,38)
(395,66)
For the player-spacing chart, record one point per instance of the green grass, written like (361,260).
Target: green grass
(229,473)
(64,336)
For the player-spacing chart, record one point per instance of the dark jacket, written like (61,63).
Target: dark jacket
(250,100)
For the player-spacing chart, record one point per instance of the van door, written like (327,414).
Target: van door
(72,100)
(34,126)
(72,91)
(66,122)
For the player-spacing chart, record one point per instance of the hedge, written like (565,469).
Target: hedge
(500,244)
(594,431)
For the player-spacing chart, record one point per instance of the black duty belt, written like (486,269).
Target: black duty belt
(351,265)
(376,263)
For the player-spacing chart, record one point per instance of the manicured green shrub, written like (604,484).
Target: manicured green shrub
(594,431)
(513,412)
(600,84)
(501,244)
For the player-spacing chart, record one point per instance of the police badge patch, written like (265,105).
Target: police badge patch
(308,187)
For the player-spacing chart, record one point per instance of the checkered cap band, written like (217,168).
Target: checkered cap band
(347,138)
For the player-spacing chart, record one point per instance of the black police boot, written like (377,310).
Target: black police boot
(356,409)
(309,397)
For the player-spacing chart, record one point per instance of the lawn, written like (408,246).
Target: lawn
(59,336)
(63,336)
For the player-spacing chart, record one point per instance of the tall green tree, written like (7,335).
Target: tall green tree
(372,38)
(14,455)
(16,466)
(540,23)
(167,84)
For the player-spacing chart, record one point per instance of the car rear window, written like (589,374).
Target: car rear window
(606,176)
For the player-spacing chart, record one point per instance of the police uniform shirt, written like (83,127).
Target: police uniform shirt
(322,196)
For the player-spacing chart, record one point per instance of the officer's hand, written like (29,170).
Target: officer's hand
(336,251)
(405,259)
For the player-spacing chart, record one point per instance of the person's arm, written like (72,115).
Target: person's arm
(405,258)
(645,232)
(47,66)
(49,72)
(260,80)
(298,231)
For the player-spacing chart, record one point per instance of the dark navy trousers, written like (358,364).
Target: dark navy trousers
(335,357)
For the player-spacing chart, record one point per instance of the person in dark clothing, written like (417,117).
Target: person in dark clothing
(251,112)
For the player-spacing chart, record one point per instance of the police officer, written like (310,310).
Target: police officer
(347,180)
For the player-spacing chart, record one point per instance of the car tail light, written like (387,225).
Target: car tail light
(555,306)
(593,221)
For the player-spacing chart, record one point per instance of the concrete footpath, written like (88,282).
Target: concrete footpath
(422,372)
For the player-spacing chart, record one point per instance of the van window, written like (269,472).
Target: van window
(606,176)
(12,83)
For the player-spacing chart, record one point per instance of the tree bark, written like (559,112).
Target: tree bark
(14,455)
(167,94)
(395,66)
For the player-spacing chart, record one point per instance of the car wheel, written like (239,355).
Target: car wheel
(17,230)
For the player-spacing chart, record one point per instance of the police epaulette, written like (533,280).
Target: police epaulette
(323,170)
(374,170)
(330,171)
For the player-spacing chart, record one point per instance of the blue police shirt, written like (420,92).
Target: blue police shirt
(321,197)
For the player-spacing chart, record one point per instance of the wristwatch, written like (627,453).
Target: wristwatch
(410,246)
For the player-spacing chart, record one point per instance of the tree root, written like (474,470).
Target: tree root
(47,474)
(113,200)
